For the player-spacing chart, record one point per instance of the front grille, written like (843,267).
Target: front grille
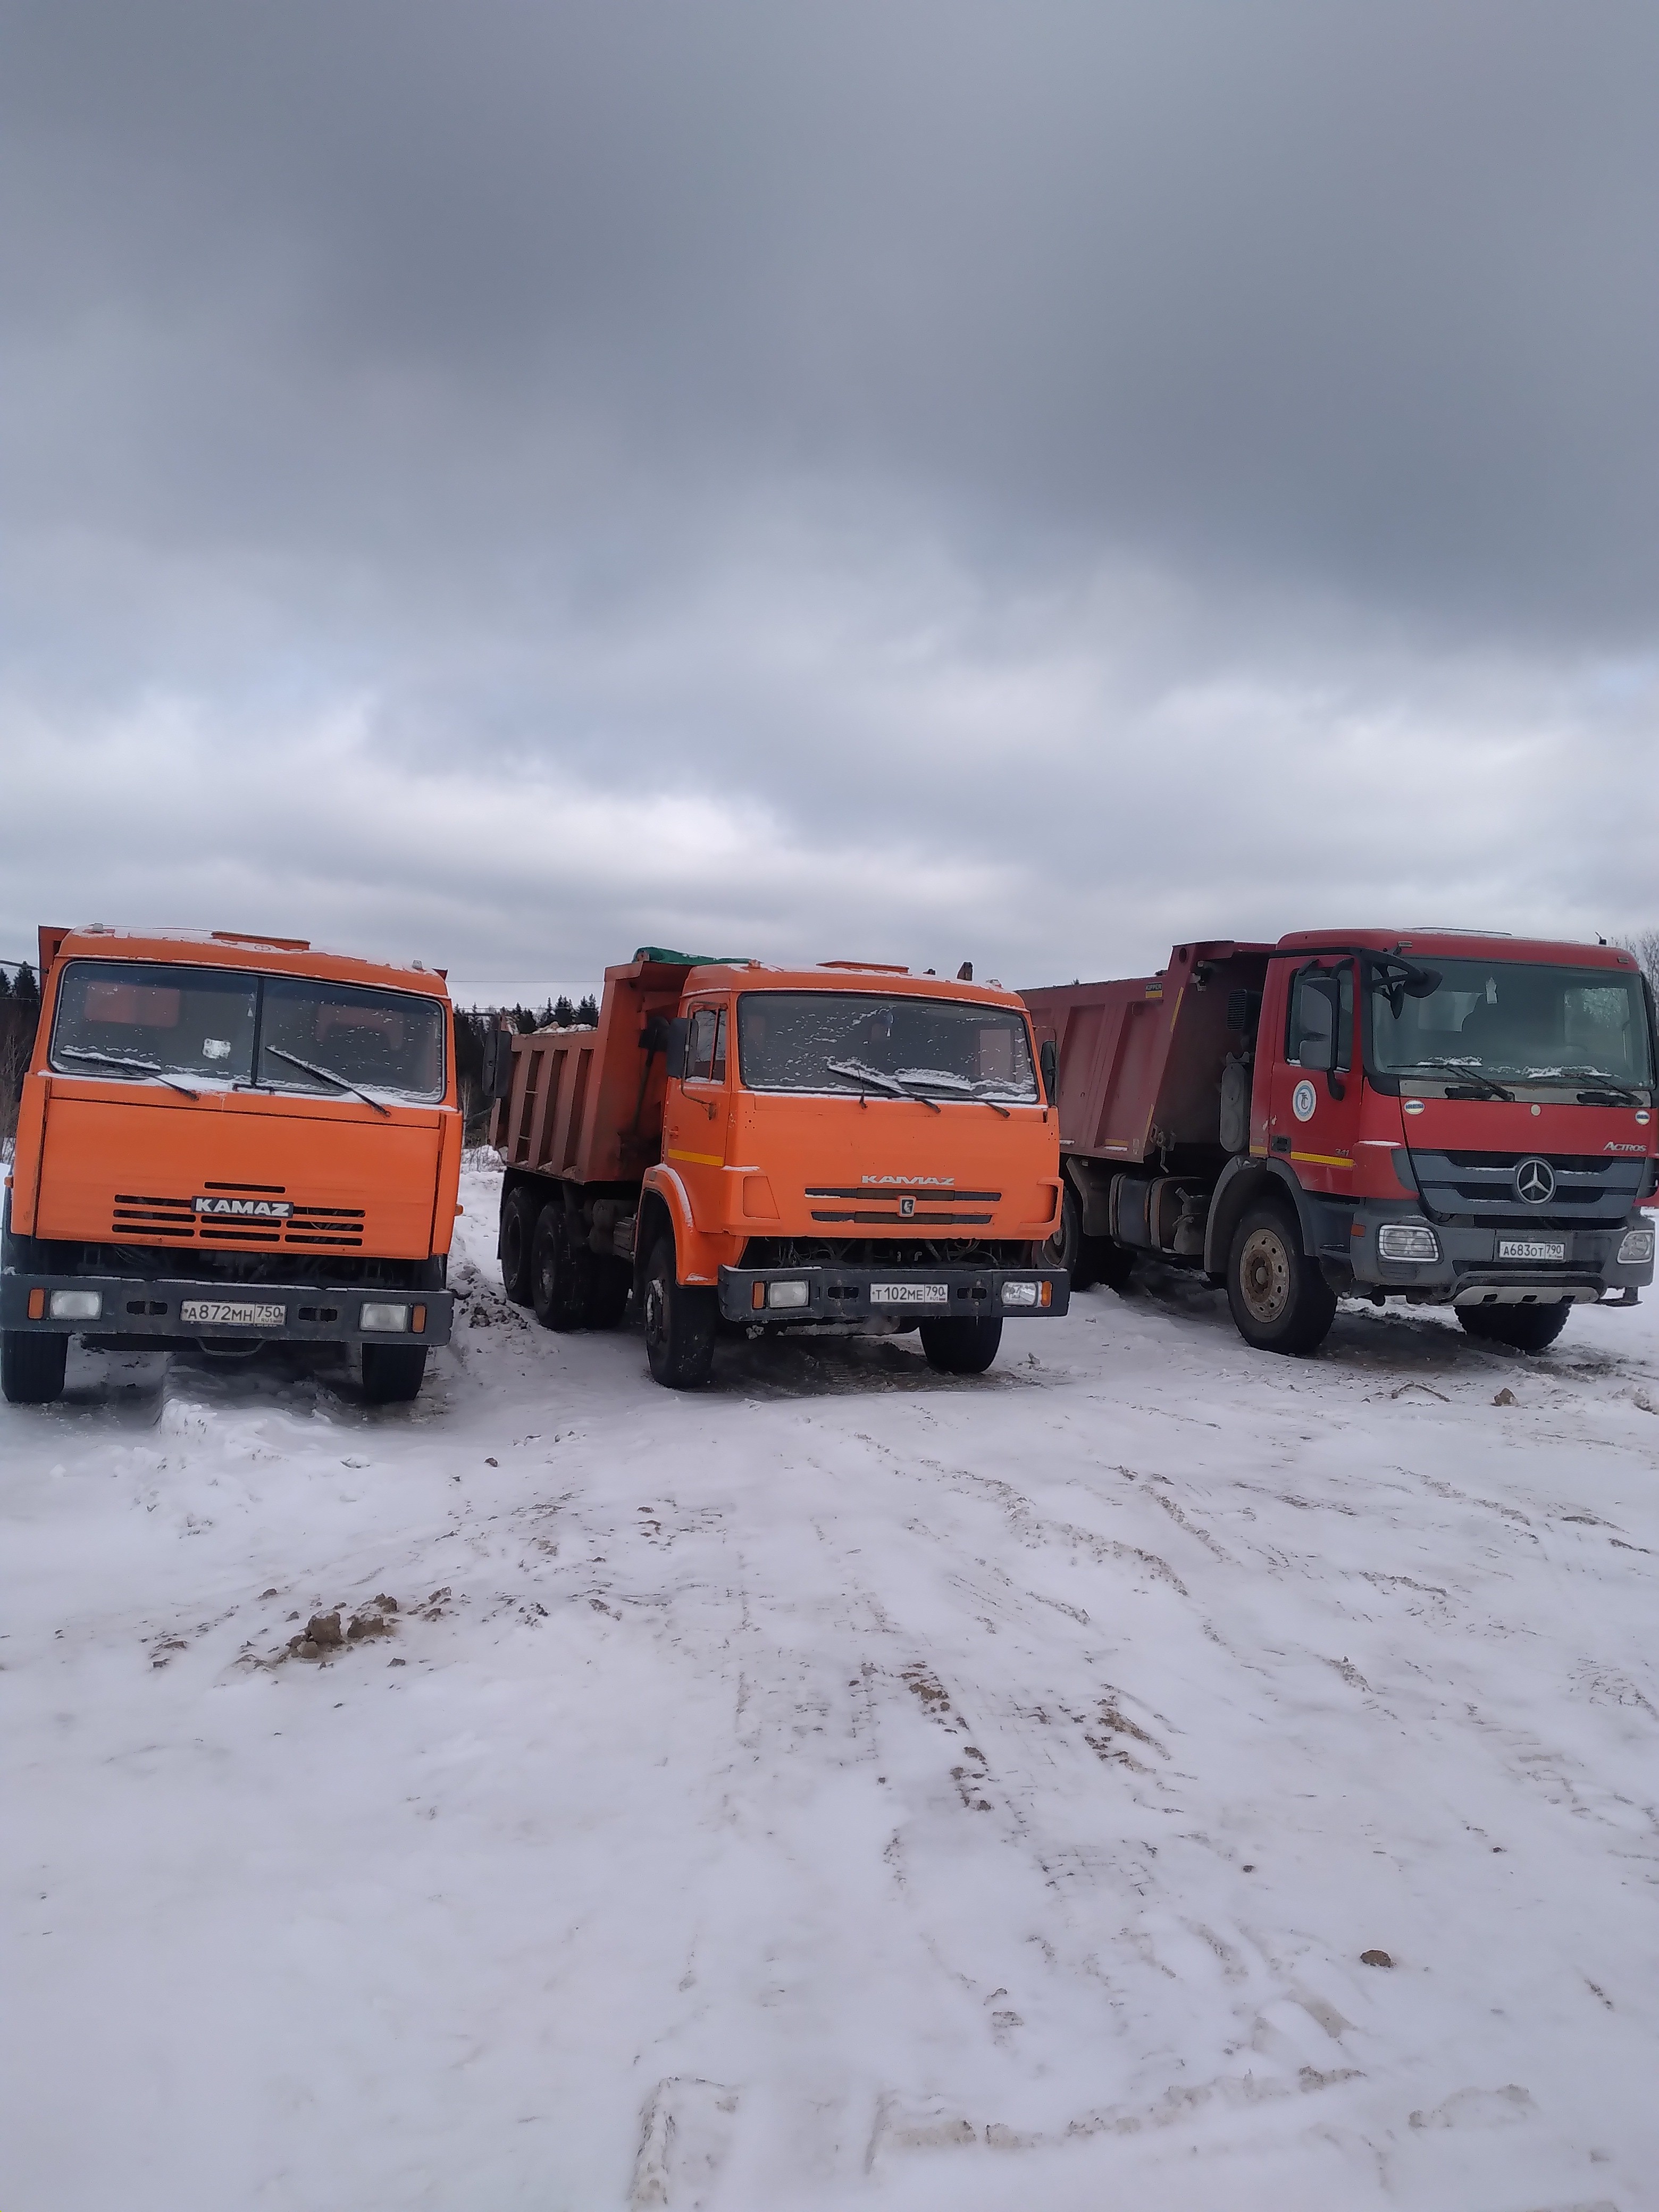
(880,1209)
(1589,1186)
(139,1220)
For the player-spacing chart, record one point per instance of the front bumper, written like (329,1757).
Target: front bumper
(152,1311)
(1470,1271)
(845,1294)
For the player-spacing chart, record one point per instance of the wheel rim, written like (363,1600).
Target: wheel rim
(1264,1276)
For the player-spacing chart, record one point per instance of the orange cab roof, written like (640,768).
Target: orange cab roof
(284,955)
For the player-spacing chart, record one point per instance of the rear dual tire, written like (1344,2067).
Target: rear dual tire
(32,1366)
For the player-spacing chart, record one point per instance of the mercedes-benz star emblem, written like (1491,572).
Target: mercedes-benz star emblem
(1535,1181)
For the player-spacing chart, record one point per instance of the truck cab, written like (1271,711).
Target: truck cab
(229,1141)
(1446,1118)
(771,1148)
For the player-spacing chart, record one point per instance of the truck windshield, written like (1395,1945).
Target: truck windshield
(333,1037)
(1519,1022)
(121,1019)
(135,1021)
(877,1045)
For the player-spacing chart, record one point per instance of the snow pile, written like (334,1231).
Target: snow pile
(849,1785)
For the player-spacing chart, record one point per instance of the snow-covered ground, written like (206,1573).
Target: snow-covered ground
(847,1786)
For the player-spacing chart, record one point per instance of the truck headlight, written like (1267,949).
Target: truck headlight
(383,1318)
(788,1294)
(1406,1240)
(1637,1246)
(1019,1294)
(87,1305)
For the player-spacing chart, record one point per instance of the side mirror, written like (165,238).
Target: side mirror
(679,1031)
(497,1063)
(1048,1059)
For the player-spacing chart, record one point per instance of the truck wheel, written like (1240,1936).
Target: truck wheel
(960,1347)
(393,1373)
(519,1211)
(608,1288)
(1068,1247)
(1522,1328)
(679,1323)
(32,1366)
(1112,1263)
(1281,1302)
(560,1272)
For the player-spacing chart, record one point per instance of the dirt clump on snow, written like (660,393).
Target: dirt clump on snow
(323,1634)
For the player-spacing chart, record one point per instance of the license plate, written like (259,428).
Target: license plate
(1532,1248)
(909,1294)
(223,1313)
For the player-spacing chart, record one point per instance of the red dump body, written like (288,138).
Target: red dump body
(1140,1059)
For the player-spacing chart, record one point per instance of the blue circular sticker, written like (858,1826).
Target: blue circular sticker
(1304,1099)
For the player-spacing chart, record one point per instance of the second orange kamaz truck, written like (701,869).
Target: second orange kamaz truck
(770,1148)
(231,1140)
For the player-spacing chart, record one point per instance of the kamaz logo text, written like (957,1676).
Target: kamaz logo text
(913,1182)
(246,1209)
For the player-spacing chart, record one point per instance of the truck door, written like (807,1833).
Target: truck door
(698,1113)
(1316,1093)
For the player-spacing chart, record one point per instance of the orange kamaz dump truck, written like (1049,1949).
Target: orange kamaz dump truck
(229,1141)
(772,1148)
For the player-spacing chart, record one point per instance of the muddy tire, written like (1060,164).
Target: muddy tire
(1521,1329)
(32,1366)
(393,1373)
(679,1323)
(1281,1302)
(519,1211)
(960,1347)
(560,1270)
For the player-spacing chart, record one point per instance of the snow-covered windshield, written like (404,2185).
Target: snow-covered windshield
(335,1036)
(883,1045)
(132,1021)
(122,1019)
(1513,1019)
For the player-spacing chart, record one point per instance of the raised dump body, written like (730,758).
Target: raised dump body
(1446,1118)
(229,1141)
(770,1148)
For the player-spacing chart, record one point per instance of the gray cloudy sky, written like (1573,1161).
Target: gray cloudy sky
(504,482)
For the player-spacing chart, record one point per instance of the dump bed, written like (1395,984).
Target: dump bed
(587,1104)
(1140,1059)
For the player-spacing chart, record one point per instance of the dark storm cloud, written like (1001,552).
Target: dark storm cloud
(686,465)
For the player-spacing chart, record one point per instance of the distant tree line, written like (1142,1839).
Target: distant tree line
(20,1015)
(473,1024)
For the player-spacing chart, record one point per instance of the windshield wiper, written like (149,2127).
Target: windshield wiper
(957,1085)
(328,1075)
(1609,1083)
(128,1067)
(861,1074)
(1486,1086)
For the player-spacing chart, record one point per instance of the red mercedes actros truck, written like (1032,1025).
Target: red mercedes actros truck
(1447,1118)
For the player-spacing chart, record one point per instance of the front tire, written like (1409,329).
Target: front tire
(561,1272)
(961,1347)
(32,1366)
(393,1373)
(679,1323)
(1068,1247)
(1522,1328)
(519,1211)
(1280,1301)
